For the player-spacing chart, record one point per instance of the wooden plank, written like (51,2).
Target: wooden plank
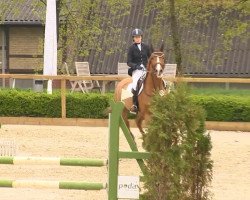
(54,121)
(210,125)
(228,126)
(119,77)
(63,97)
(214,80)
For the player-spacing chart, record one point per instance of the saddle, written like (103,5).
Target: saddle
(138,90)
(126,93)
(140,84)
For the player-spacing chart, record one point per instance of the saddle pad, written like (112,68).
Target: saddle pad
(126,93)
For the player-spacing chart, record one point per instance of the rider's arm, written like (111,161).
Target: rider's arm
(130,58)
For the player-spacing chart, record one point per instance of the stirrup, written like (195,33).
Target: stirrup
(133,109)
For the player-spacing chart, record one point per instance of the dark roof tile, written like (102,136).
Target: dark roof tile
(22,12)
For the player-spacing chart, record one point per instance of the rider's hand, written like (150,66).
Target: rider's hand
(139,67)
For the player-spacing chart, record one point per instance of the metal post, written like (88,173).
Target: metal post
(114,123)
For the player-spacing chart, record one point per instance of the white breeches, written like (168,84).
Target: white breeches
(136,76)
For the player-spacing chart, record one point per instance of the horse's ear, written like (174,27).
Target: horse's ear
(152,48)
(162,46)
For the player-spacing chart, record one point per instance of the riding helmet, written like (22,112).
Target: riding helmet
(137,32)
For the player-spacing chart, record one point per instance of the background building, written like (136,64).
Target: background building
(22,32)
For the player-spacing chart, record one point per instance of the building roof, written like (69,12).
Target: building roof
(22,12)
(236,62)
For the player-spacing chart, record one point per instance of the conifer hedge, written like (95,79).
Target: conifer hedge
(180,166)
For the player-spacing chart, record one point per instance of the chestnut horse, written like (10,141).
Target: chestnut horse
(152,83)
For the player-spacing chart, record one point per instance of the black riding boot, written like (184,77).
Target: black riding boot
(134,108)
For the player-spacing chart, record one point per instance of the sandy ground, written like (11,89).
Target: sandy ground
(231,156)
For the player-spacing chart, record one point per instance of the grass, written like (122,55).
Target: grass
(220,91)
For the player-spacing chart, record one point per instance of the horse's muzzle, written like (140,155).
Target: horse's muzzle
(158,73)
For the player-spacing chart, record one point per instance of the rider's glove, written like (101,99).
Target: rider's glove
(139,67)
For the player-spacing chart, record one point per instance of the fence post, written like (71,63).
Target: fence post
(113,160)
(63,97)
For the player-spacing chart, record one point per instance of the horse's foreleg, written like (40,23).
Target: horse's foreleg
(125,118)
(139,120)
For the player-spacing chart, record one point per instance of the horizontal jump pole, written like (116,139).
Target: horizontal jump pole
(85,162)
(70,185)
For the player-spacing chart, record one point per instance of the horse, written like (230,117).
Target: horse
(153,83)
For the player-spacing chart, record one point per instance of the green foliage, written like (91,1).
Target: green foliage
(218,107)
(87,105)
(27,103)
(180,166)
(236,92)
(224,108)
(224,105)
(230,15)
(83,25)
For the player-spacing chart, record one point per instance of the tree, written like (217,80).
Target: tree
(180,166)
(177,19)
(82,26)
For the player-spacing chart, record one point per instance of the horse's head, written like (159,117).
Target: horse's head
(156,62)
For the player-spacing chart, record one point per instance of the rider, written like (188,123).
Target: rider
(138,55)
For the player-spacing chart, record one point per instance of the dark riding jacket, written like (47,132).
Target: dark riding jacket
(136,57)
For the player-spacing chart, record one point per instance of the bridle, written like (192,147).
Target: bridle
(152,72)
(159,55)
